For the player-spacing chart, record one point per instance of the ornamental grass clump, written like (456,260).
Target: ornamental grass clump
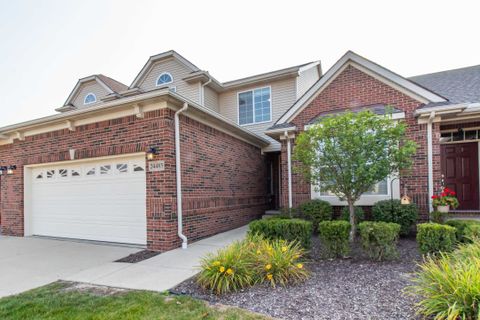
(254,260)
(229,269)
(449,284)
(279,262)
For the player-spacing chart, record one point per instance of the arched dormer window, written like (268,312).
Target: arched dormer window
(164,78)
(90,98)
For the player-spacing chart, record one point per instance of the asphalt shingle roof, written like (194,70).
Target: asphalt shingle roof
(458,85)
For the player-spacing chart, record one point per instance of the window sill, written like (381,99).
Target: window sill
(368,200)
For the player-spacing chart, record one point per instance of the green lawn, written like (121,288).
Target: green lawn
(57,301)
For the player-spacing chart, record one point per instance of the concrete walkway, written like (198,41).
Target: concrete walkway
(161,272)
(27,263)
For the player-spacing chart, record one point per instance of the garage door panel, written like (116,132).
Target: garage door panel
(66,202)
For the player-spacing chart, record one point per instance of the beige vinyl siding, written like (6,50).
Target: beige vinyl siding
(283,95)
(178,72)
(211,99)
(306,79)
(89,87)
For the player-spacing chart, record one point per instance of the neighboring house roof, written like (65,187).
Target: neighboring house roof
(407,86)
(269,76)
(112,86)
(458,85)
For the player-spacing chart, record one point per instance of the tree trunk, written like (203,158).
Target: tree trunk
(353,229)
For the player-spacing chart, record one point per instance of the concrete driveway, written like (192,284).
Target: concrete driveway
(27,263)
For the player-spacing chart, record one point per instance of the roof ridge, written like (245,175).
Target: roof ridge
(444,71)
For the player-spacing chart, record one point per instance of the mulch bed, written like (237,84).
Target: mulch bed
(139,256)
(354,288)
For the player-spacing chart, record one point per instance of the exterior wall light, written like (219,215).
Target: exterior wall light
(10,169)
(151,153)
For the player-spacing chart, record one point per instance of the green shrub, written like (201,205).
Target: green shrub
(334,236)
(460,226)
(379,239)
(286,229)
(434,237)
(317,211)
(359,214)
(449,285)
(229,269)
(278,261)
(472,232)
(393,211)
(438,217)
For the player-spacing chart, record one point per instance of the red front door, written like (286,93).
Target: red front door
(460,170)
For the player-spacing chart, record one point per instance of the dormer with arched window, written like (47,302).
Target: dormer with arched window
(90,98)
(164,78)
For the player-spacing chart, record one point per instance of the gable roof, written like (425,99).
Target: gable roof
(407,86)
(458,85)
(112,86)
(161,56)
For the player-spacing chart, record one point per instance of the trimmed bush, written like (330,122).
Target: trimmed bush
(230,269)
(434,237)
(359,214)
(317,211)
(379,239)
(438,217)
(449,285)
(278,261)
(334,236)
(460,226)
(472,232)
(285,229)
(393,211)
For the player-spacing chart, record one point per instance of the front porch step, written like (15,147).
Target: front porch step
(270,213)
(464,215)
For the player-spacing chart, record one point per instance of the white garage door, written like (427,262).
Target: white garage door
(102,200)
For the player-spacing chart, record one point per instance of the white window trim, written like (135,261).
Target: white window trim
(365,200)
(88,94)
(238,106)
(164,83)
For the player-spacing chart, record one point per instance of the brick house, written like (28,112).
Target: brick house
(178,156)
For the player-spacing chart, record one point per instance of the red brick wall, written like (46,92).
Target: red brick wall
(353,88)
(224,204)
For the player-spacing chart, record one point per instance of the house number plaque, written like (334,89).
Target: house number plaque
(156,166)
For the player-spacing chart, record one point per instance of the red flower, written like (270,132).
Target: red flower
(452,193)
(443,194)
(434,197)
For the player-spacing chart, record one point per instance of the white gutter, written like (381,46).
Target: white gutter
(430,160)
(289,168)
(202,92)
(178,171)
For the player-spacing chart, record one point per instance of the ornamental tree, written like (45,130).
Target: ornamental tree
(348,153)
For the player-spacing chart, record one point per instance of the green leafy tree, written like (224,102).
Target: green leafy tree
(348,153)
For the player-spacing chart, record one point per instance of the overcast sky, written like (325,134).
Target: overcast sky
(47,45)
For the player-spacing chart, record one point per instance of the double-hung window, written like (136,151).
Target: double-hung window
(254,106)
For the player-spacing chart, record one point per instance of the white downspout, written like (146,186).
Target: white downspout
(178,172)
(289,169)
(430,160)
(202,92)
